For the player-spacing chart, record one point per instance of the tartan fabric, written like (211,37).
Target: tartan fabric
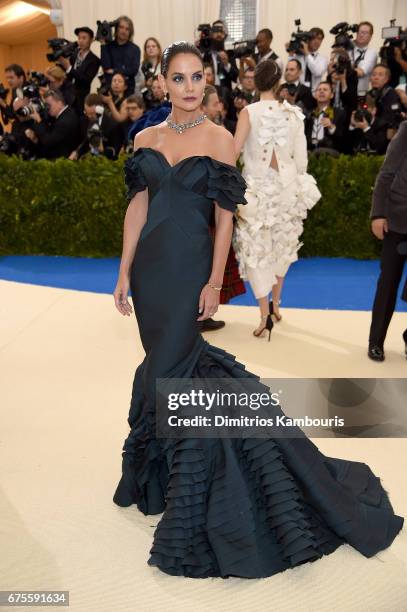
(232,283)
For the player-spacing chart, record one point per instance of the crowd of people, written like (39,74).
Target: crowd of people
(352,101)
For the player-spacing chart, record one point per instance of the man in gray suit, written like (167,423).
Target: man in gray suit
(389,223)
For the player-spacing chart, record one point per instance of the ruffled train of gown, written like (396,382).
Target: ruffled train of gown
(246,507)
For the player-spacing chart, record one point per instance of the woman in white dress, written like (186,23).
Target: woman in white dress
(270,135)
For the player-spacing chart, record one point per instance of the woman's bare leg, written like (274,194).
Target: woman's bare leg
(276,294)
(264,310)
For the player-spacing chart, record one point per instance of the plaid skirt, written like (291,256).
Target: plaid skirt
(232,283)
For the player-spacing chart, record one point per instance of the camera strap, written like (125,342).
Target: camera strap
(360,57)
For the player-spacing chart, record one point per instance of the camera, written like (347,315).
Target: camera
(3,91)
(244,48)
(95,138)
(104,31)
(38,78)
(61,47)
(8,144)
(363,113)
(297,39)
(343,35)
(147,70)
(394,37)
(104,87)
(291,88)
(31,91)
(341,64)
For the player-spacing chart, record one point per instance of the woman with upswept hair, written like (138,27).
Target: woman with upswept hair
(279,192)
(231,506)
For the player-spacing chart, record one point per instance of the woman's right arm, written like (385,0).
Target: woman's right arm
(134,221)
(242,131)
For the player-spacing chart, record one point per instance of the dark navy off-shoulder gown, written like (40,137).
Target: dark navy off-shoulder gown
(231,507)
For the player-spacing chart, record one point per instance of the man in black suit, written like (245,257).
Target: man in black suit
(100,133)
(264,51)
(294,91)
(389,223)
(82,67)
(61,136)
(325,127)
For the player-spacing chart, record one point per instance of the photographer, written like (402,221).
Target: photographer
(362,58)
(28,99)
(58,80)
(224,93)
(135,109)
(121,54)
(388,103)
(344,80)
(151,64)
(325,127)
(81,67)
(100,134)
(264,39)
(389,223)
(61,137)
(400,57)
(213,51)
(246,83)
(16,79)
(367,132)
(115,97)
(294,91)
(313,64)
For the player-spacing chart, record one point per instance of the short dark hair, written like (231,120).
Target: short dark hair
(93,99)
(17,69)
(208,91)
(181,46)
(137,99)
(267,32)
(314,32)
(56,94)
(326,83)
(386,68)
(294,59)
(267,75)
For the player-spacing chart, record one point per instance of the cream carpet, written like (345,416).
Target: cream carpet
(67,362)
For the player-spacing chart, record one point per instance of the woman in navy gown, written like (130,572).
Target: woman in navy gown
(231,507)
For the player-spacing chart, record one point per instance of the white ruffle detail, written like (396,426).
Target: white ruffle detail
(268,227)
(274,125)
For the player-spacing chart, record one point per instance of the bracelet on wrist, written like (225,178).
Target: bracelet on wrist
(214,286)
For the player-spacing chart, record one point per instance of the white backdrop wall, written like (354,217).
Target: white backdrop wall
(170,20)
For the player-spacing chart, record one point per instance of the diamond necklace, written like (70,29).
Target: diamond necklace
(181,127)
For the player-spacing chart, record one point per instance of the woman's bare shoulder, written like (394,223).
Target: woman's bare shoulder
(149,136)
(220,142)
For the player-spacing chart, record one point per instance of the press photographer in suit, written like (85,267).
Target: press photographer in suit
(59,137)
(389,223)
(82,67)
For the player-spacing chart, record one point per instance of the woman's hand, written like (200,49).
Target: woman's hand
(208,302)
(107,99)
(120,295)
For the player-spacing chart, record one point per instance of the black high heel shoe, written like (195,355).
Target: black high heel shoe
(268,325)
(271,309)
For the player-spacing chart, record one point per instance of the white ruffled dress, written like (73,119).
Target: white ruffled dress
(266,237)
